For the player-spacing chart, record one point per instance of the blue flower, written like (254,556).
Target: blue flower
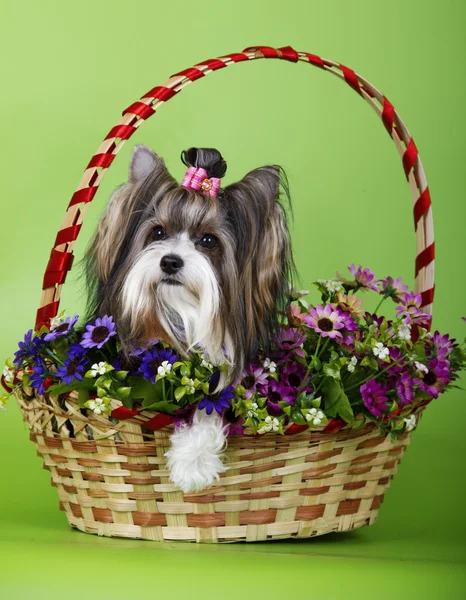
(76,350)
(27,348)
(39,375)
(62,329)
(219,402)
(98,334)
(72,369)
(153,359)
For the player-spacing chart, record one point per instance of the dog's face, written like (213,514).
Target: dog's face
(200,272)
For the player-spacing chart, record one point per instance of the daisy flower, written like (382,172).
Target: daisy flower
(72,369)
(62,329)
(326,321)
(219,402)
(98,334)
(374,396)
(365,278)
(152,360)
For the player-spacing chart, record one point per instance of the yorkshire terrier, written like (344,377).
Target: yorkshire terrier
(201,267)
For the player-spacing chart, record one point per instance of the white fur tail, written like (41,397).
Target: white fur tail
(195,456)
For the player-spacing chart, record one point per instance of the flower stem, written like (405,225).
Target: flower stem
(376,375)
(53,356)
(380,304)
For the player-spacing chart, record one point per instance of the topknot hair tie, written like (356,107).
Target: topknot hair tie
(196,178)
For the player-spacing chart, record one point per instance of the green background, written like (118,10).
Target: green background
(67,72)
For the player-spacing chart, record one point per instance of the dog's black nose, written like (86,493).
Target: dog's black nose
(171,264)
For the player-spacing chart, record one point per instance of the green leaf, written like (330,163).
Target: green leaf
(286,408)
(83,396)
(297,416)
(179,393)
(332,370)
(307,401)
(336,401)
(185,369)
(163,406)
(123,392)
(121,375)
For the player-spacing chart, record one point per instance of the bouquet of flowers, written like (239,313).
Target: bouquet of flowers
(330,365)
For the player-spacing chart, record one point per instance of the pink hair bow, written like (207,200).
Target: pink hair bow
(196,178)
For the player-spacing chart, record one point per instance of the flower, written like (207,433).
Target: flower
(290,339)
(410,422)
(252,377)
(404,331)
(63,328)
(98,334)
(189,385)
(364,277)
(76,350)
(314,417)
(270,365)
(352,364)
(295,316)
(218,402)
(411,309)
(326,321)
(8,375)
(393,288)
(398,358)
(381,351)
(292,376)
(331,285)
(297,294)
(39,376)
(164,368)
(420,367)
(271,424)
(275,392)
(349,304)
(99,405)
(72,369)
(404,388)
(27,348)
(443,345)
(153,359)
(375,400)
(434,381)
(205,362)
(98,369)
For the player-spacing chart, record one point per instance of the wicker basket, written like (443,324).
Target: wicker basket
(112,478)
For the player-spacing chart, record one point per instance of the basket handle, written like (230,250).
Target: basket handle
(61,258)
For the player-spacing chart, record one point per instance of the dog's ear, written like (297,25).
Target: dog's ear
(148,180)
(257,216)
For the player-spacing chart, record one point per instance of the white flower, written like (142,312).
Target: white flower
(270,365)
(98,369)
(420,367)
(190,386)
(317,421)
(313,412)
(352,364)
(205,362)
(56,321)
(404,331)
(380,350)
(314,417)
(331,285)
(164,368)
(320,415)
(275,424)
(251,413)
(410,422)
(98,406)
(255,405)
(8,374)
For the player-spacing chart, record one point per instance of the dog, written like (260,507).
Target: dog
(202,267)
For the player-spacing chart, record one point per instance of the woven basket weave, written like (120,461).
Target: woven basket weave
(112,478)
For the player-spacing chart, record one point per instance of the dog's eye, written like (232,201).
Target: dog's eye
(208,241)
(158,233)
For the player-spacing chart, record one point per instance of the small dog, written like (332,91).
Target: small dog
(200,267)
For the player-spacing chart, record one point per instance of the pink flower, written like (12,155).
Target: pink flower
(326,321)
(364,277)
(393,288)
(295,316)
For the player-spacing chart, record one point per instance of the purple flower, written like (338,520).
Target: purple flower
(218,402)
(442,344)
(393,288)
(38,376)
(404,388)
(62,329)
(76,350)
(129,362)
(252,377)
(326,321)
(373,319)
(434,381)
(98,334)
(290,339)
(292,376)
(72,369)
(364,277)
(276,392)
(411,310)
(397,357)
(374,397)
(27,348)
(153,359)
